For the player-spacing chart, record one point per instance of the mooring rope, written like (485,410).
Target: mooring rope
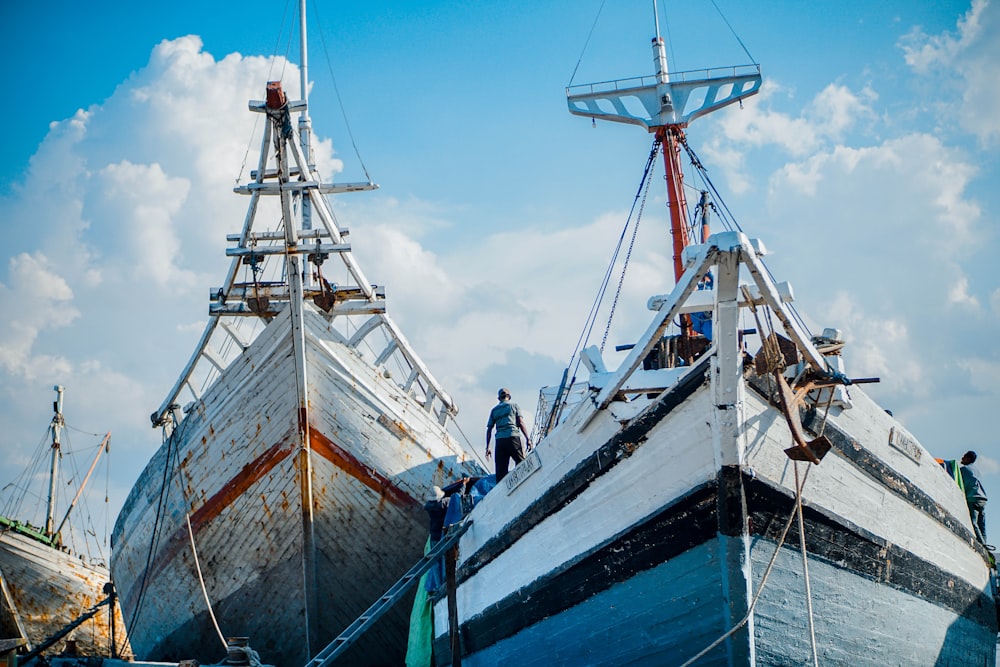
(763,581)
(805,571)
(201,580)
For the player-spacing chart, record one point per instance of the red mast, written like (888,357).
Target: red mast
(671,137)
(670,102)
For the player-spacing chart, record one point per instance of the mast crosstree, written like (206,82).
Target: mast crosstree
(665,104)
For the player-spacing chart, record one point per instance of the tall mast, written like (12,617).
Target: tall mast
(296,282)
(670,102)
(305,124)
(57,425)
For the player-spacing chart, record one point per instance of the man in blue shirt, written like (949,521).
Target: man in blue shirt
(975,495)
(506,417)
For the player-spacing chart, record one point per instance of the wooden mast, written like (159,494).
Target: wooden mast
(296,278)
(56,427)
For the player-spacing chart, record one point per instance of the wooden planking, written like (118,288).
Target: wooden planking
(240,480)
(856,619)
(846,490)
(661,616)
(839,518)
(51,588)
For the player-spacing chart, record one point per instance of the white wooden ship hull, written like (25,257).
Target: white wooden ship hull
(236,466)
(648,529)
(45,589)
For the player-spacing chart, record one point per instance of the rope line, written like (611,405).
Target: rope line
(201,580)
(628,256)
(763,581)
(154,538)
(586,43)
(805,572)
(726,21)
(475,450)
(591,320)
(336,90)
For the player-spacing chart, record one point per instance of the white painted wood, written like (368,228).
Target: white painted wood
(703,300)
(724,424)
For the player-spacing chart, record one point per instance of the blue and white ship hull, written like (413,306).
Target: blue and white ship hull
(647,534)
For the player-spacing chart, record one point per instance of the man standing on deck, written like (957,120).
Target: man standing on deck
(975,496)
(506,417)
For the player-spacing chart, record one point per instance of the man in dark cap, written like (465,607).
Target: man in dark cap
(975,495)
(506,417)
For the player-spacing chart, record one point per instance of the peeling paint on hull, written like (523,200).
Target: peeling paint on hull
(51,588)
(234,466)
(633,544)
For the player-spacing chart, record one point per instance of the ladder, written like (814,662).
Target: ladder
(338,646)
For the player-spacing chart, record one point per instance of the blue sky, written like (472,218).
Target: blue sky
(868,165)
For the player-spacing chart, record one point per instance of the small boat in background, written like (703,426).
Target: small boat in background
(727,495)
(45,583)
(288,491)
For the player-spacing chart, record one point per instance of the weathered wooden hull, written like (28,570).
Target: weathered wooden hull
(236,467)
(49,589)
(643,540)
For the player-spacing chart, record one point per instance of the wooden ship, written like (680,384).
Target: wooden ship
(728,495)
(45,584)
(288,491)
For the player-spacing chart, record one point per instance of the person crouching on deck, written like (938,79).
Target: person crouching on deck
(506,417)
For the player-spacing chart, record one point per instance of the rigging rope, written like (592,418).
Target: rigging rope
(475,450)
(336,89)
(740,41)
(586,43)
(730,223)
(154,538)
(628,256)
(592,316)
(201,580)
(805,571)
(763,581)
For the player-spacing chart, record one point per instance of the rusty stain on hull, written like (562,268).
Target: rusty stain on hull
(255,471)
(50,588)
(350,464)
(211,508)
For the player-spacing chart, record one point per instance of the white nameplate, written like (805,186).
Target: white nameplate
(522,470)
(904,442)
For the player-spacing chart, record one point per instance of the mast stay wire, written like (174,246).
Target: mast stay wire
(735,35)
(628,256)
(591,320)
(730,223)
(666,26)
(336,89)
(586,43)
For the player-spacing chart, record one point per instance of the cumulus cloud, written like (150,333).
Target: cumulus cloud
(133,199)
(35,299)
(887,229)
(962,66)
(759,124)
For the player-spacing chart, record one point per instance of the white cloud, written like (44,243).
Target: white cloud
(35,299)
(115,234)
(962,68)
(959,294)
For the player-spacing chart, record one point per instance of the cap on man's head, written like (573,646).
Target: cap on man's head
(503,393)
(437,493)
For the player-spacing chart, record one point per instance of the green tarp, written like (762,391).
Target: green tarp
(418,648)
